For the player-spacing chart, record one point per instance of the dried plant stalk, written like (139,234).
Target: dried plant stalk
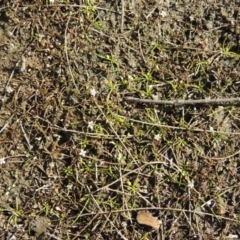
(185,102)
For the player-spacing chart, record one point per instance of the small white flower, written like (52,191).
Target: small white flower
(91,125)
(208,203)
(9,89)
(23,65)
(157,137)
(190,184)
(82,153)
(2,161)
(58,208)
(191,17)
(93,92)
(163,13)
(124,224)
(231,236)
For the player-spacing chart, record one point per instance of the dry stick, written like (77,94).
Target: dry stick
(25,136)
(189,221)
(221,158)
(5,125)
(140,46)
(178,128)
(123,16)
(159,208)
(183,102)
(66,53)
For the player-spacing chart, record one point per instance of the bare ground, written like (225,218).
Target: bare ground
(78,159)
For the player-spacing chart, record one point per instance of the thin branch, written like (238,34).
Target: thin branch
(25,136)
(184,102)
(178,128)
(66,52)
(140,46)
(159,208)
(123,16)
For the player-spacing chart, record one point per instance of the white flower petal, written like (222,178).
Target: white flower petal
(93,92)
(82,153)
(91,125)
(163,13)
(2,161)
(157,137)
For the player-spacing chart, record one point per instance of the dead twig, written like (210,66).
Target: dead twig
(159,208)
(184,102)
(177,128)
(123,16)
